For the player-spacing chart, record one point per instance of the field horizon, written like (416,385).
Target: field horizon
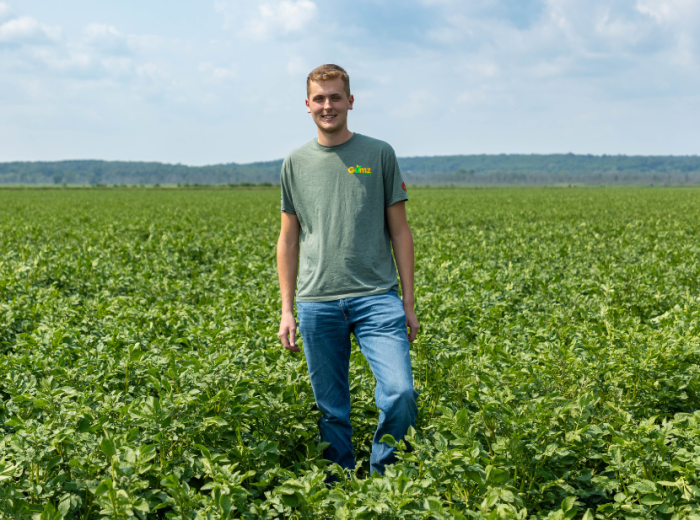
(516,169)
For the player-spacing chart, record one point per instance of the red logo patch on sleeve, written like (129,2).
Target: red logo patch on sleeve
(403,185)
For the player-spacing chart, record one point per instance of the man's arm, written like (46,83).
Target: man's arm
(287,265)
(402,242)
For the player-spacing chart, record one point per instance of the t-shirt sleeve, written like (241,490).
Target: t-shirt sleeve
(287,202)
(394,187)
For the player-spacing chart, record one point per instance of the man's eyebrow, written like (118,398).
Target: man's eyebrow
(332,94)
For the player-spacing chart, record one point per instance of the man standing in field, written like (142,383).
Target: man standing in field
(343,196)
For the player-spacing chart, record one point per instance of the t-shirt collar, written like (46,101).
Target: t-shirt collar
(336,147)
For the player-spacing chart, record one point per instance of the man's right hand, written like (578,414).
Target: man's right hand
(288,332)
(287,264)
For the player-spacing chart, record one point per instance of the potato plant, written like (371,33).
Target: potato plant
(557,365)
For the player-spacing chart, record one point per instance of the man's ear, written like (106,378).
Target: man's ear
(308,107)
(351,100)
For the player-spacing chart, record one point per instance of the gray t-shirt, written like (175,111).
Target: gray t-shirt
(339,194)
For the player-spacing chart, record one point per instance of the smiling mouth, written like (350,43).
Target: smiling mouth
(328,118)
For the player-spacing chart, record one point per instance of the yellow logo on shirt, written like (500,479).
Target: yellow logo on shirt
(360,169)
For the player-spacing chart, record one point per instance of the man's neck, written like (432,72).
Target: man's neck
(335,138)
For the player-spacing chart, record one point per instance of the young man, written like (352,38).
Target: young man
(343,197)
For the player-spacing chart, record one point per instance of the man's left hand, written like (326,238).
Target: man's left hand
(412,325)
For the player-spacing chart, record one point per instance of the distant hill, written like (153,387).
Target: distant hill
(552,169)
(82,172)
(463,169)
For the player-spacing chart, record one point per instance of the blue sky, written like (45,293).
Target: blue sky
(204,82)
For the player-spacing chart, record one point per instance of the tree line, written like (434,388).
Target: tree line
(456,169)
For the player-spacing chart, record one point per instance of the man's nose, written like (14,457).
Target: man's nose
(327,103)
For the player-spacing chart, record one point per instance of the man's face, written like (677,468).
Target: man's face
(328,105)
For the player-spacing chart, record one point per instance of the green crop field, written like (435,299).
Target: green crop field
(557,365)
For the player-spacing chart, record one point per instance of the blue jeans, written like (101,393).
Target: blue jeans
(379,325)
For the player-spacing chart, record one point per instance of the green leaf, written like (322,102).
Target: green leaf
(388,440)
(568,503)
(64,506)
(225,504)
(142,505)
(668,483)
(286,489)
(651,500)
(496,475)
(84,425)
(7,472)
(104,486)
(75,462)
(170,481)
(147,452)
(204,450)
(290,500)
(463,418)
(107,446)
(433,504)
(474,475)
(49,512)
(643,486)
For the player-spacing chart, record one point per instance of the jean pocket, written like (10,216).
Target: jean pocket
(395,294)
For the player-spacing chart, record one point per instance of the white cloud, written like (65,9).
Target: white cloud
(268,20)
(482,69)
(75,64)
(146,42)
(685,55)
(217,74)
(471,97)
(558,66)
(26,30)
(62,63)
(106,38)
(225,9)
(5,11)
(669,11)
(450,34)
(150,72)
(100,52)
(99,31)
(597,37)
(83,64)
(418,102)
(297,66)
(223,73)
(679,20)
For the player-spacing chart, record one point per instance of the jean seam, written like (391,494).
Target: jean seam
(344,308)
